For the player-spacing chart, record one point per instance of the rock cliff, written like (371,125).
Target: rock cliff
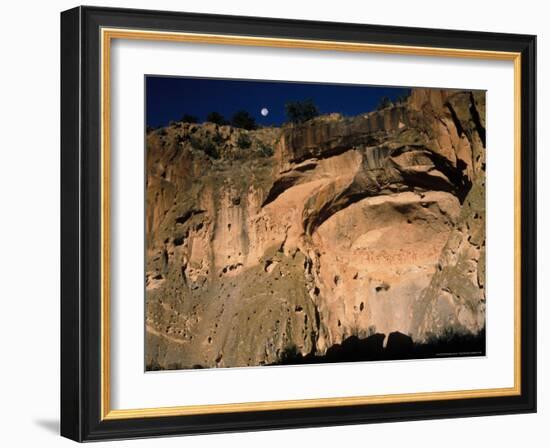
(294,239)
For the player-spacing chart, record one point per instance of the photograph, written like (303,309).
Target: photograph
(296,222)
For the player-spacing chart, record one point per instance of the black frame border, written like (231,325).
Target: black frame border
(81,223)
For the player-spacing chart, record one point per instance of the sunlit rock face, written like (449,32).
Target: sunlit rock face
(298,238)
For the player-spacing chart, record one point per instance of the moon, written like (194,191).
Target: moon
(264,111)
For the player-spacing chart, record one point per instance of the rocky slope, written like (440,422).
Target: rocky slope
(296,239)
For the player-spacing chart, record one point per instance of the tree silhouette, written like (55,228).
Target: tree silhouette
(301,111)
(242,119)
(216,118)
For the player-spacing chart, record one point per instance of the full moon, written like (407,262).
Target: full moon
(264,111)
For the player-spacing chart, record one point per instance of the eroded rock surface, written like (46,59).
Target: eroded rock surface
(260,242)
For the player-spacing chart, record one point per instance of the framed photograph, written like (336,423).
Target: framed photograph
(275,224)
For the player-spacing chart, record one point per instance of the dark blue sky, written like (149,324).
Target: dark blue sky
(168,98)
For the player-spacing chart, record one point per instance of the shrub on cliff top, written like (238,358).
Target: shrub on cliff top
(242,119)
(216,118)
(301,111)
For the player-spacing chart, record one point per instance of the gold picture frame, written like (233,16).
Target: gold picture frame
(105,31)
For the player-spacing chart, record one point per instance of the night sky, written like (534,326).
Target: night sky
(168,98)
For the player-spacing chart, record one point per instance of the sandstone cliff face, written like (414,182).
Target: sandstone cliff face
(294,239)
